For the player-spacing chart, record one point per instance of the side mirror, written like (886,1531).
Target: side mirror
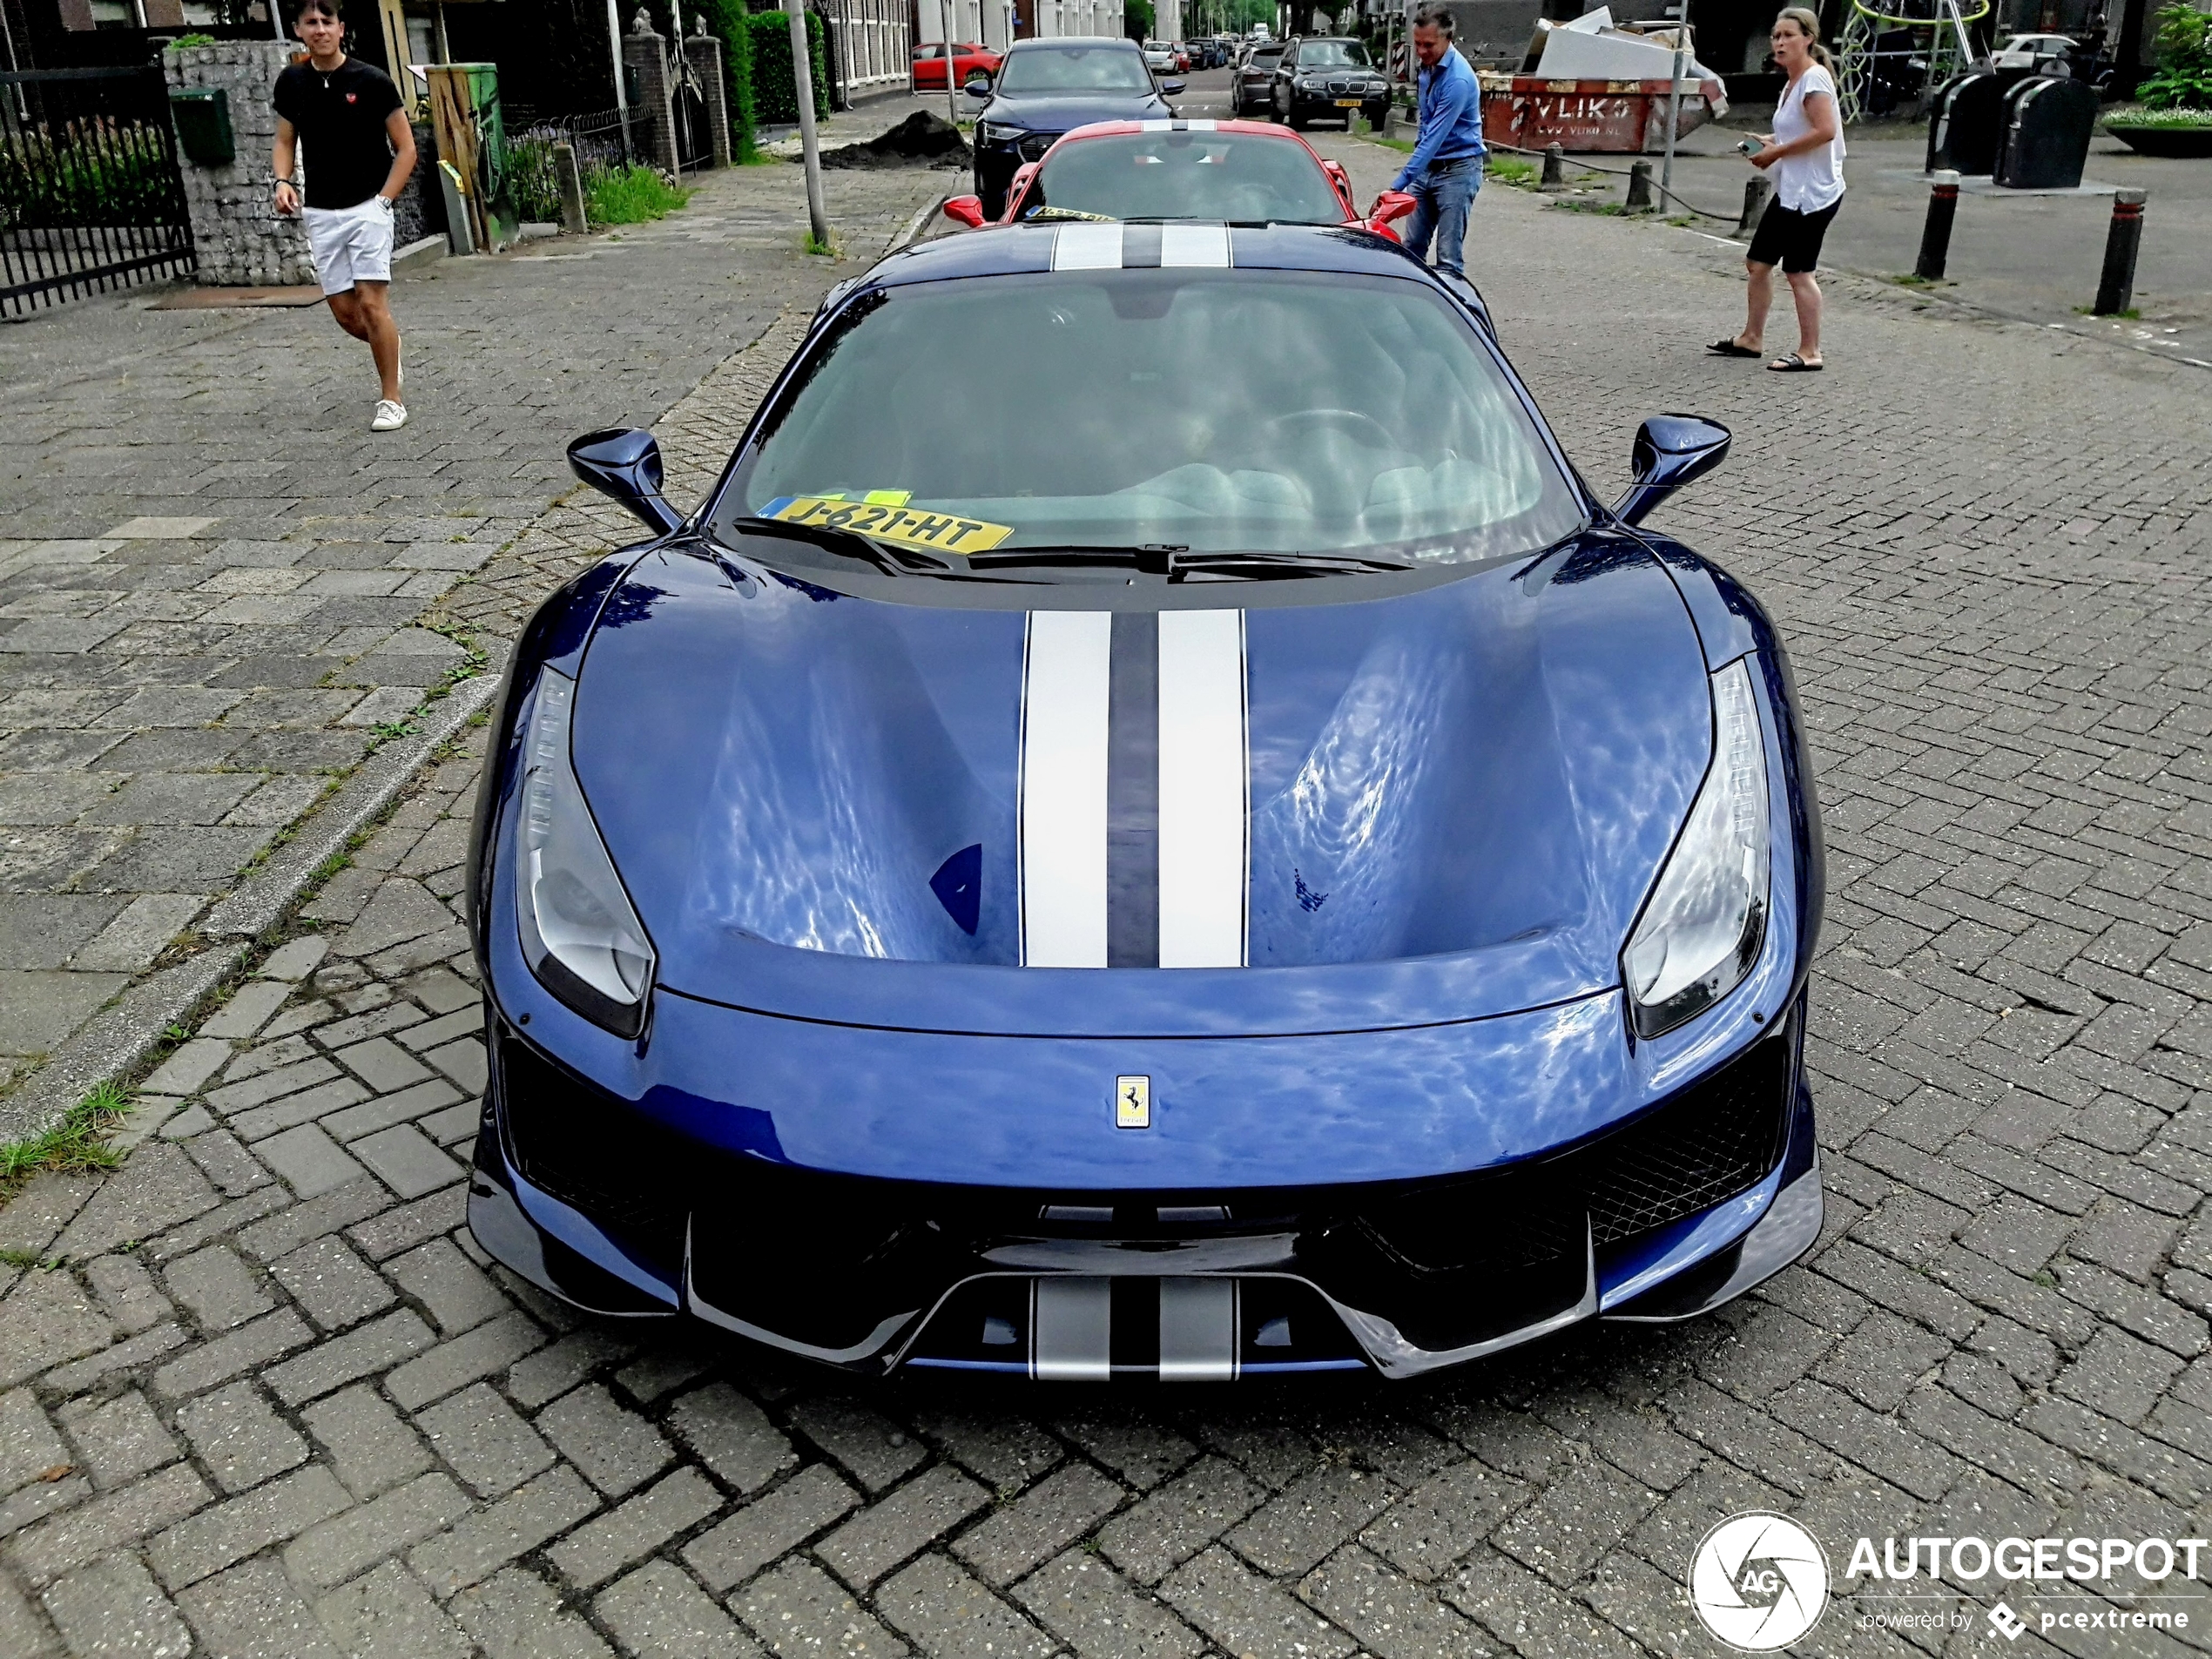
(1390,207)
(623,463)
(977,86)
(1171,89)
(1670,451)
(966,209)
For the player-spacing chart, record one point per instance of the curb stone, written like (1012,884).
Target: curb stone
(128,1030)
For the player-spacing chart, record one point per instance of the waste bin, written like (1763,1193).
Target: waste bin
(2047,122)
(203,117)
(1967,123)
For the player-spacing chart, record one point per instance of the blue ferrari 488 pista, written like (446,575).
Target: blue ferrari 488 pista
(1193,848)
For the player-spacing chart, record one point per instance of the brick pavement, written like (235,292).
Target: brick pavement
(268,1393)
(213,579)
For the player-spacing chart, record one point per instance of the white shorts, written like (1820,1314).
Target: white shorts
(350,243)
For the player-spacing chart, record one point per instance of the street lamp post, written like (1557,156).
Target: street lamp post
(1674,99)
(952,96)
(802,77)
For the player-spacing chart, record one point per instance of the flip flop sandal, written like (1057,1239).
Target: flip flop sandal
(1729,348)
(1794,364)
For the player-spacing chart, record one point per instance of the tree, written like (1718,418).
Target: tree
(1137,19)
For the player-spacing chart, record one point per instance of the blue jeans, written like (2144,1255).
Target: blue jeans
(1442,198)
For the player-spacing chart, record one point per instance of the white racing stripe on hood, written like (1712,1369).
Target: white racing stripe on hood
(1065,680)
(1205,771)
(1195,245)
(1087,247)
(1204,806)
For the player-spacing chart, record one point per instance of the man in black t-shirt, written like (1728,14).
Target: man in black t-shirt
(361,153)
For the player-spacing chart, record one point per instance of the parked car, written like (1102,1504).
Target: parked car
(1327,79)
(1159,57)
(1181,58)
(1235,172)
(874,970)
(2025,51)
(1251,87)
(969,61)
(1045,88)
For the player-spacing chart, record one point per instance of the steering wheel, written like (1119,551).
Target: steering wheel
(1355,423)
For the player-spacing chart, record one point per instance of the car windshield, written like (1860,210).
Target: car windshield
(1186,175)
(1213,410)
(1074,68)
(1332,54)
(1267,55)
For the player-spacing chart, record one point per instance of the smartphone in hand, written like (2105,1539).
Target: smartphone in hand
(1750,146)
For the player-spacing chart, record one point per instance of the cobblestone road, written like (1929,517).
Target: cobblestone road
(262,1392)
(213,576)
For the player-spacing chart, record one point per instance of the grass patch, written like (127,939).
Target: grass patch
(631,195)
(814,244)
(1615,210)
(76,1144)
(2132,314)
(1511,170)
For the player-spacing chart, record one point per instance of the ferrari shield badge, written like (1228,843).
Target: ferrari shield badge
(1132,1103)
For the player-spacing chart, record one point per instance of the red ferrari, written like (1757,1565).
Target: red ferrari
(1233,173)
(968,59)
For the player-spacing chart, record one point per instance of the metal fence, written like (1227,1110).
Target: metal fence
(90,195)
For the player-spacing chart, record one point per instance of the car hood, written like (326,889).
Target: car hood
(1423,807)
(1064,111)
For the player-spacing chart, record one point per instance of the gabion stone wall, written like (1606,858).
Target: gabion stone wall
(241,242)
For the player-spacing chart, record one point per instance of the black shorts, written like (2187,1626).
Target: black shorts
(1789,238)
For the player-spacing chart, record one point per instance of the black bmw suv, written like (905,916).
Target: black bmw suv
(1045,88)
(1325,79)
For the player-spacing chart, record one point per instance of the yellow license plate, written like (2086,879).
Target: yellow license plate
(939,532)
(1347,104)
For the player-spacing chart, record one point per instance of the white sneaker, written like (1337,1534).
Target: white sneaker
(390,416)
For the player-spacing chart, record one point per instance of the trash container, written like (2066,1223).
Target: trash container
(2047,122)
(203,117)
(1966,123)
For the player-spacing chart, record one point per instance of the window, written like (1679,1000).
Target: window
(1220,410)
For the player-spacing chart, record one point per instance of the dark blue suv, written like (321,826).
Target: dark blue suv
(1045,88)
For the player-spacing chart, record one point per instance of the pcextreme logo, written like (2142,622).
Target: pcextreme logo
(1758,1582)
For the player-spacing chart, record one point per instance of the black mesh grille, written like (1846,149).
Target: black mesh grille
(1717,1138)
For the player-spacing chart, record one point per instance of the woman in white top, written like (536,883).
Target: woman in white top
(1805,152)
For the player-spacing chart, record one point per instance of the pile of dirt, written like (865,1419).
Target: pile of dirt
(923,139)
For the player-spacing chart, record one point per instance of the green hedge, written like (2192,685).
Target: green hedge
(775,100)
(728,20)
(104,172)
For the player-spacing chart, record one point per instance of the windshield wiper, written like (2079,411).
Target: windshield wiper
(1259,564)
(887,558)
(1175,561)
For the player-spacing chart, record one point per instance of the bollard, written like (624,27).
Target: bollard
(2116,289)
(1756,193)
(1554,169)
(573,219)
(1935,236)
(1640,187)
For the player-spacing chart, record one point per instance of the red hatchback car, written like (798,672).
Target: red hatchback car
(968,59)
(1235,173)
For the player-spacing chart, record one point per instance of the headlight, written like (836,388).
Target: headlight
(580,935)
(1701,927)
(998,132)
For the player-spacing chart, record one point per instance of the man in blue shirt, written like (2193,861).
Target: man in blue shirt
(1445,168)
